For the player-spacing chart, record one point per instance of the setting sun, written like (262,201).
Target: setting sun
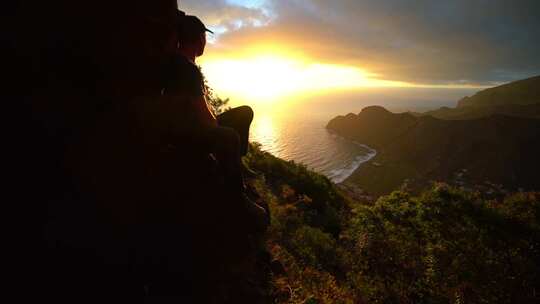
(269,77)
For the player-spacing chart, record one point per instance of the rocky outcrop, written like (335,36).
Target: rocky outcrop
(110,204)
(374,125)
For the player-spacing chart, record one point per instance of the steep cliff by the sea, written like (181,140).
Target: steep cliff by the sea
(417,150)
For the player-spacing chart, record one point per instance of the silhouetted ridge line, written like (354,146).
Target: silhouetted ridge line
(498,149)
(521,92)
(520,98)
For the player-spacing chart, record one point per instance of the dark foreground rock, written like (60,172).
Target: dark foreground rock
(106,203)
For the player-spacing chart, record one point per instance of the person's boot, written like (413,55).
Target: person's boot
(251,192)
(255,197)
(258,218)
(247,172)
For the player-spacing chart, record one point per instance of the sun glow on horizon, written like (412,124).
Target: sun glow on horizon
(269,77)
(270,73)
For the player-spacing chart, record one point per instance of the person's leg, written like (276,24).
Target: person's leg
(226,148)
(225,145)
(239,119)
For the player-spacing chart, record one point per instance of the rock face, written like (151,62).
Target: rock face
(417,150)
(108,203)
(375,126)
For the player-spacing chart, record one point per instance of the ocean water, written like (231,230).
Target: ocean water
(307,141)
(297,131)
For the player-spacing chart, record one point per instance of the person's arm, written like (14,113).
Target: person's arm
(197,98)
(202,112)
(185,83)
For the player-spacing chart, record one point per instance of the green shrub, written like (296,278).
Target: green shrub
(445,245)
(325,206)
(314,247)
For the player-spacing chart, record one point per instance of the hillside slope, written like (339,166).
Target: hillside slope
(460,113)
(522,92)
(399,249)
(520,98)
(416,150)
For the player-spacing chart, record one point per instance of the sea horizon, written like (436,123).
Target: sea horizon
(297,132)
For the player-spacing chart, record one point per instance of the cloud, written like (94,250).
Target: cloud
(225,16)
(424,41)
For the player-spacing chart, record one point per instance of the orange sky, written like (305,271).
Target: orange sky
(272,72)
(270,49)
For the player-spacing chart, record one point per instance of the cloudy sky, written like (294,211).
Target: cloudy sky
(420,41)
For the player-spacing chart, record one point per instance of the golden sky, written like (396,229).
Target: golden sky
(265,75)
(268,73)
(270,49)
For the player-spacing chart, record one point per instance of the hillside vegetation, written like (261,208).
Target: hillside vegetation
(445,245)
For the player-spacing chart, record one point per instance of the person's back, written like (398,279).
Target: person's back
(225,136)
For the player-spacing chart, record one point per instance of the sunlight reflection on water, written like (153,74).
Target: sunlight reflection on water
(307,141)
(295,129)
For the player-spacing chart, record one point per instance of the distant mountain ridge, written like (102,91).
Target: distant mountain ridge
(520,98)
(460,113)
(521,92)
(374,126)
(416,150)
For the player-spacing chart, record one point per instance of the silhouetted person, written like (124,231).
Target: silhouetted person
(225,136)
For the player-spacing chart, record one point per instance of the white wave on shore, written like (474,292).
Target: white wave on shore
(341,174)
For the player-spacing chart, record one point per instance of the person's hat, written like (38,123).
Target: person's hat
(190,23)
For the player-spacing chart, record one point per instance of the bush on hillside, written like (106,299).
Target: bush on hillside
(315,194)
(446,245)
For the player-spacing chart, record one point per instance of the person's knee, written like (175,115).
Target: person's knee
(246,113)
(226,136)
(231,136)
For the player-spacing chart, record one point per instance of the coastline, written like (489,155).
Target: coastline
(342,174)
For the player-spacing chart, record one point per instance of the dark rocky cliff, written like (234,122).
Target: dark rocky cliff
(374,126)
(103,206)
